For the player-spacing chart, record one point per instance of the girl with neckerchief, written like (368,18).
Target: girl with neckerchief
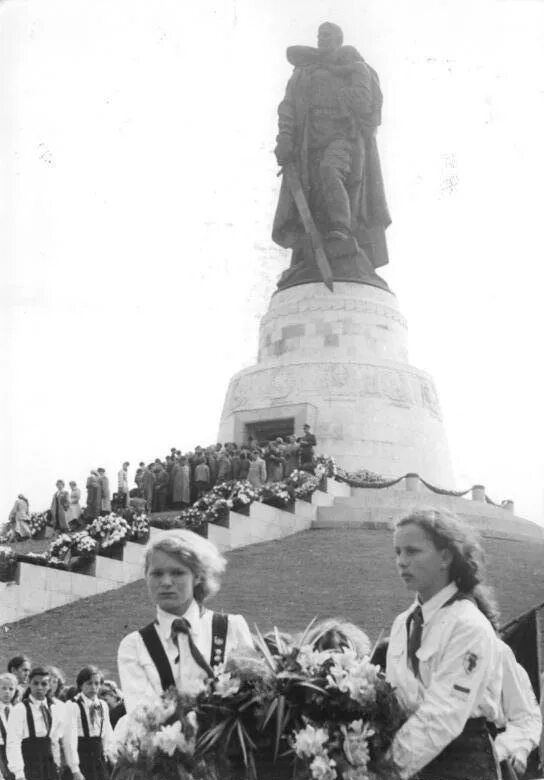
(443,657)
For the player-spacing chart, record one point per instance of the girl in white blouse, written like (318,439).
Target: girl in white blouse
(444,657)
(87,730)
(186,640)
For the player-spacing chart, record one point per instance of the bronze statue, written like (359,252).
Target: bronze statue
(327,135)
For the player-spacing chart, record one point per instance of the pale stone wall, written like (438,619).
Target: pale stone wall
(339,362)
(40,588)
(360,322)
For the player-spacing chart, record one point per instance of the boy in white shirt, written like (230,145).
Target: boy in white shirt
(8,686)
(32,744)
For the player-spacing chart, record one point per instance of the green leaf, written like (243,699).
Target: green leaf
(253,700)
(270,712)
(242,740)
(279,641)
(263,647)
(280,717)
(209,739)
(306,631)
(308,684)
(377,642)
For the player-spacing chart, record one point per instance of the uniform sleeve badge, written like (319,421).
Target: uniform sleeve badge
(470,662)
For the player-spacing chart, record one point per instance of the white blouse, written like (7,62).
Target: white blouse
(460,677)
(140,680)
(73,728)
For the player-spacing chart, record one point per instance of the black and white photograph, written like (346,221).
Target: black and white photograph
(272,495)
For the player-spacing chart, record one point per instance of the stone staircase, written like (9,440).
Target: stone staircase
(37,589)
(346,507)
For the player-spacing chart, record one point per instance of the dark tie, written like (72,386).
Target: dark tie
(6,713)
(95,710)
(182,626)
(414,629)
(46,717)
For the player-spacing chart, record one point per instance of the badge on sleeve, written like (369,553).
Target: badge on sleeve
(470,662)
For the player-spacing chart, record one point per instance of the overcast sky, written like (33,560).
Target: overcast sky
(137,189)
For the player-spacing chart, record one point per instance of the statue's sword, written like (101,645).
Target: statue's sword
(295,187)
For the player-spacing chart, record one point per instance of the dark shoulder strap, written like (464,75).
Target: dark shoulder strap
(84,721)
(156,651)
(220,624)
(29,720)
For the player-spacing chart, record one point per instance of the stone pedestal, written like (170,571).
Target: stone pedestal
(339,362)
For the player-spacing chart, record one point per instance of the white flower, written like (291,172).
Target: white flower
(309,741)
(191,719)
(312,660)
(171,738)
(354,676)
(226,685)
(355,773)
(322,768)
(355,746)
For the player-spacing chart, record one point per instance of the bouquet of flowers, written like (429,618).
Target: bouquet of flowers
(242,494)
(330,709)
(326,466)
(37,523)
(279,494)
(8,563)
(221,490)
(138,528)
(303,484)
(348,734)
(192,518)
(159,742)
(60,547)
(109,530)
(328,713)
(218,510)
(83,544)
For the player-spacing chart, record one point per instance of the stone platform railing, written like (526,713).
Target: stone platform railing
(344,505)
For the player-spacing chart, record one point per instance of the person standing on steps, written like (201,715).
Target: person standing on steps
(122,484)
(59,508)
(306,443)
(105,495)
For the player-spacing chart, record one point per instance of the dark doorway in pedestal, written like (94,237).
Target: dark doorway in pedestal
(267,430)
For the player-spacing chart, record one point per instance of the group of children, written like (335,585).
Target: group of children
(45,737)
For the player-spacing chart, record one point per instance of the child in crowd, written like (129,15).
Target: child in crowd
(56,686)
(87,733)
(32,744)
(111,693)
(8,687)
(20,667)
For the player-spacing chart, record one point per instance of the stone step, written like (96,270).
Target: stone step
(485,517)
(40,588)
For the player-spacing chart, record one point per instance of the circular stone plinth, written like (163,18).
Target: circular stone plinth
(356,322)
(339,362)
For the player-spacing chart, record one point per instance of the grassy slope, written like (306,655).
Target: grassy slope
(327,572)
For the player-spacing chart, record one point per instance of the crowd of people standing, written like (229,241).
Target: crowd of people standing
(169,483)
(180,478)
